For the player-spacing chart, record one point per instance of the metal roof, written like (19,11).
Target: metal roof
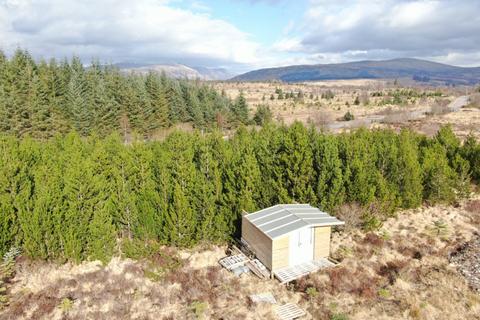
(281,219)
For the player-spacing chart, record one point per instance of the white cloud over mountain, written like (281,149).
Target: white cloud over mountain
(437,29)
(122,30)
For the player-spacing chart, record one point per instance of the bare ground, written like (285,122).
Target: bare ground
(400,272)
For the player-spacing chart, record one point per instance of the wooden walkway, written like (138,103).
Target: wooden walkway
(287,274)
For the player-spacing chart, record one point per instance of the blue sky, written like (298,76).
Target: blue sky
(265,21)
(243,34)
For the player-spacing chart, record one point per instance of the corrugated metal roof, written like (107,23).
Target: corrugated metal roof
(281,219)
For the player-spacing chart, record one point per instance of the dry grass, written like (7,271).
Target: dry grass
(313,109)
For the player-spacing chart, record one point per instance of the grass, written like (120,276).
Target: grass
(66,304)
(198,308)
(339,316)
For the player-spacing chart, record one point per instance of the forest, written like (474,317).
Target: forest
(74,198)
(40,99)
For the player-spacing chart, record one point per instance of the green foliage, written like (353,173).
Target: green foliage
(439,178)
(42,99)
(356,101)
(66,304)
(470,151)
(198,308)
(329,95)
(339,316)
(7,270)
(137,249)
(348,116)
(73,198)
(263,115)
(311,292)
(384,293)
(240,110)
(439,228)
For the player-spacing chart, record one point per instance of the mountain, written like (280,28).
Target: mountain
(419,70)
(178,71)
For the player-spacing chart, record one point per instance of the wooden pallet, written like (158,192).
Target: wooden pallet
(287,274)
(266,297)
(258,269)
(234,261)
(289,311)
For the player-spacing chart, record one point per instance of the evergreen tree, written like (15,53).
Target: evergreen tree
(294,166)
(330,189)
(408,172)
(240,109)
(439,178)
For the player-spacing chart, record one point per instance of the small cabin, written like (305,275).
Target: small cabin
(288,235)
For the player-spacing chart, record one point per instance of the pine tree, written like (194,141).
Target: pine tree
(102,233)
(471,152)
(212,223)
(10,171)
(240,109)
(330,189)
(438,176)
(294,166)
(180,222)
(408,172)
(158,103)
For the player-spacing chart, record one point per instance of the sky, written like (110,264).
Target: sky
(242,35)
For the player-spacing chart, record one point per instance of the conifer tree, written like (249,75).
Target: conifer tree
(240,109)
(330,187)
(408,172)
(437,175)
(294,166)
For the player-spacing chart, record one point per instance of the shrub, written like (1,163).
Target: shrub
(311,292)
(373,239)
(391,270)
(339,316)
(348,116)
(351,214)
(263,115)
(198,308)
(384,293)
(66,304)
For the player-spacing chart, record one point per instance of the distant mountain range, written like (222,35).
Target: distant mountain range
(418,70)
(178,71)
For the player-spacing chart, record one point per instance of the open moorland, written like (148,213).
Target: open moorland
(372,103)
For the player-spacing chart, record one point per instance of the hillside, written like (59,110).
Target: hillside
(179,71)
(420,70)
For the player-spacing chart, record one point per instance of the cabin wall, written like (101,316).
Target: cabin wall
(280,253)
(258,241)
(321,247)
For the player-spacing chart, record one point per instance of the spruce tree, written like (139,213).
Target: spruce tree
(330,189)
(408,172)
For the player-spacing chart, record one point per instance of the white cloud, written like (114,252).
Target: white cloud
(123,30)
(438,29)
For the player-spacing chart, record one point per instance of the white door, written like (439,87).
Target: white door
(301,246)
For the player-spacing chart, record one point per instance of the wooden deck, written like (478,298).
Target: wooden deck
(287,274)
